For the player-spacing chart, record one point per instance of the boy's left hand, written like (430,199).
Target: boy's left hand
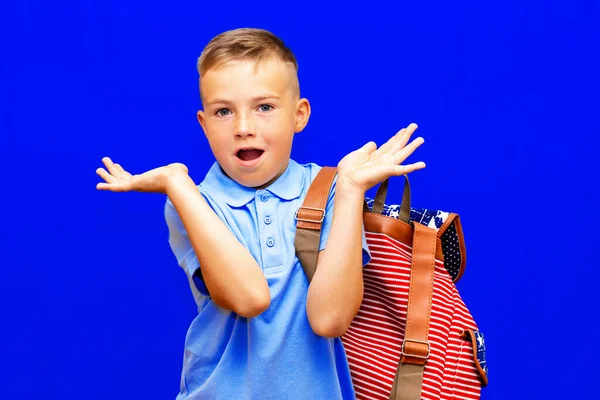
(369,165)
(157,180)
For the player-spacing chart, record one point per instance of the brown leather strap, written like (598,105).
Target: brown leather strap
(379,201)
(310,217)
(411,378)
(419,295)
(380,196)
(415,346)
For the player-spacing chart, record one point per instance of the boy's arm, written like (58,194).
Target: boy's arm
(336,290)
(232,276)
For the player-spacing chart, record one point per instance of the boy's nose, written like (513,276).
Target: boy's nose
(245,127)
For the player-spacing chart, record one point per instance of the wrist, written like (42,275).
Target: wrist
(175,180)
(346,188)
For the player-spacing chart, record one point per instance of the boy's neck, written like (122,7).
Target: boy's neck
(266,185)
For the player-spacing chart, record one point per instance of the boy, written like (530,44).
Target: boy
(262,332)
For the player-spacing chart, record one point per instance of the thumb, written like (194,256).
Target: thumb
(368,148)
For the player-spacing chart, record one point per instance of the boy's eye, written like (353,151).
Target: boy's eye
(265,107)
(222,112)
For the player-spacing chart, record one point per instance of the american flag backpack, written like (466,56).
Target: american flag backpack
(413,337)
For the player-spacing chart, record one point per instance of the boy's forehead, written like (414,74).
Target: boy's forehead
(247,78)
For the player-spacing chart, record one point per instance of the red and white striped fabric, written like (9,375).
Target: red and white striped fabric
(374,339)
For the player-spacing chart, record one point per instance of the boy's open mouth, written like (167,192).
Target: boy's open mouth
(249,154)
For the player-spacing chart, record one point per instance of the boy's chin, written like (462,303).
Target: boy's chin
(248,180)
(259,177)
(255,181)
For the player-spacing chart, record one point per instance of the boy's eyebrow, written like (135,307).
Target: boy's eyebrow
(254,100)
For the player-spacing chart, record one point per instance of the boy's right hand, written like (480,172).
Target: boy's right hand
(366,167)
(154,181)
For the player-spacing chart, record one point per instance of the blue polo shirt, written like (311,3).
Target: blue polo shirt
(275,355)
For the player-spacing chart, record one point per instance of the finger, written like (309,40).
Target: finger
(122,172)
(400,140)
(110,166)
(121,186)
(378,173)
(387,146)
(383,172)
(118,167)
(403,153)
(105,175)
(407,169)
(411,128)
(103,186)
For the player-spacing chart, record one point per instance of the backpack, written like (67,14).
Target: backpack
(413,337)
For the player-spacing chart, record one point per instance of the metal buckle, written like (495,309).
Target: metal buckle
(310,220)
(414,355)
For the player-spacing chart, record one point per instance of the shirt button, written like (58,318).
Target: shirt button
(264,197)
(270,242)
(268,220)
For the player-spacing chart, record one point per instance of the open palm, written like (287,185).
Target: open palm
(117,179)
(369,165)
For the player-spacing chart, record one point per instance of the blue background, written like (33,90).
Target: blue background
(93,304)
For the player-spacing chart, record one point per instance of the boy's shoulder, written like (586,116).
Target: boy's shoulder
(311,168)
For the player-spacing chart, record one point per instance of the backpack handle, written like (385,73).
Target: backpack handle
(379,201)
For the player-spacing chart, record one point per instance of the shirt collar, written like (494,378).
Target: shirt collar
(288,186)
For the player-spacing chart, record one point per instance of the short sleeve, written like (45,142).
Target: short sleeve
(182,247)
(366,255)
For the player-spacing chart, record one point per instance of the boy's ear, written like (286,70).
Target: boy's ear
(302,114)
(201,120)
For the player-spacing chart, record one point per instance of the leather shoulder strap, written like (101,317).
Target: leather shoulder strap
(415,346)
(309,220)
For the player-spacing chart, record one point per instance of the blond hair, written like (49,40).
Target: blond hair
(245,44)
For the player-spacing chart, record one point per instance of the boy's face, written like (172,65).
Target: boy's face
(251,113)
